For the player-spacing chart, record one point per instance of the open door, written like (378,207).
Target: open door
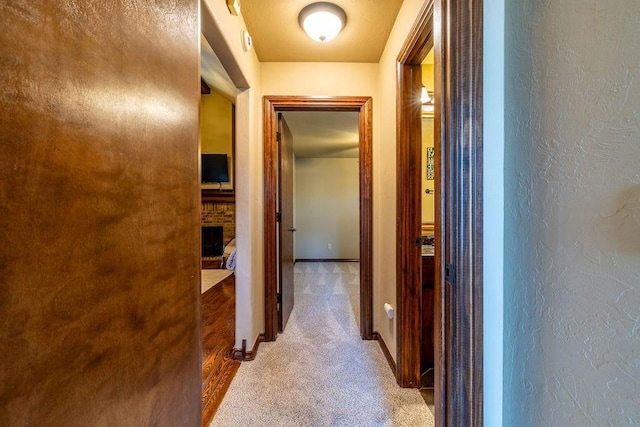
(285,222)
(454,29)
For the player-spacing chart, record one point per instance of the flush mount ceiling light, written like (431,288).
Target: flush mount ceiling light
(427,102)
(322,21)
(425,98)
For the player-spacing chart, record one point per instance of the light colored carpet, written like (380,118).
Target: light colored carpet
(210,278)
(319,372)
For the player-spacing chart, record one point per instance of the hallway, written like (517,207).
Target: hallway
(319,372)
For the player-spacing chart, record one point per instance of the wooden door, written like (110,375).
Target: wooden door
(458,286)
(286,227)
(426,345)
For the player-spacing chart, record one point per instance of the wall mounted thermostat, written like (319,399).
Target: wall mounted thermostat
(246,41)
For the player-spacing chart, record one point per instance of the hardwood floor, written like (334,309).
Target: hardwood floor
(218,339)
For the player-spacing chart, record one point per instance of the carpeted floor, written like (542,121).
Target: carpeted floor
(319,372)
(211,277)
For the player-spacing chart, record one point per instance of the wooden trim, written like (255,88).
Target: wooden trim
(270,128)
(212,263)
(243,355)
(428,228)
(212,195)
(385,351)
(461,187)
(409,210)
(420,39)
(327,260)
(458,207)
(365,131)
(271,106)
(204,87)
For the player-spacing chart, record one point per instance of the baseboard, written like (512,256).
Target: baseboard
(327,260)
(246,356)
(385,350)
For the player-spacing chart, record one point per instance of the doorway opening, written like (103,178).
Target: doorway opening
(217,210)
(273,106)
(454,31)
(319,201)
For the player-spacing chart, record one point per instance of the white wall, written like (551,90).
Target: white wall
(572,215)
(327,205)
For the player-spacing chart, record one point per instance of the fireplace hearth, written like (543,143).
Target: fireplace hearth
(212,241)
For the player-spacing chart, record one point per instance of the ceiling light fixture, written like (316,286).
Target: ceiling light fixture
(427,102)
(424,96)
(322,21)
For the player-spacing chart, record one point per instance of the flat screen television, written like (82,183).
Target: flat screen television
(215,168)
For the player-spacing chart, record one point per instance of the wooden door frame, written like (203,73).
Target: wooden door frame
(272,105)
(454,29)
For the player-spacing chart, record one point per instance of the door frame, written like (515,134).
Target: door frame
(272,105)
(454,29)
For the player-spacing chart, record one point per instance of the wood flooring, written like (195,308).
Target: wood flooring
(218,339)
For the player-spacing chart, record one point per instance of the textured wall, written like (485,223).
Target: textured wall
(572,213)
(493,147)
(99,260)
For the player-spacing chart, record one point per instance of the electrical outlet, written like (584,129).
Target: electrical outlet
(329,246)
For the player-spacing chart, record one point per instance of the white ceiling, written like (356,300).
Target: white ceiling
(277,36)
(323,133)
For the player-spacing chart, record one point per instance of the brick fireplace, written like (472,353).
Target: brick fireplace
(218,214)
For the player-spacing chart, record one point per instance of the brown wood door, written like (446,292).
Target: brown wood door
(286,227)
(426,346)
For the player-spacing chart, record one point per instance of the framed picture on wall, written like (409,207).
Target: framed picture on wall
(430,163)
